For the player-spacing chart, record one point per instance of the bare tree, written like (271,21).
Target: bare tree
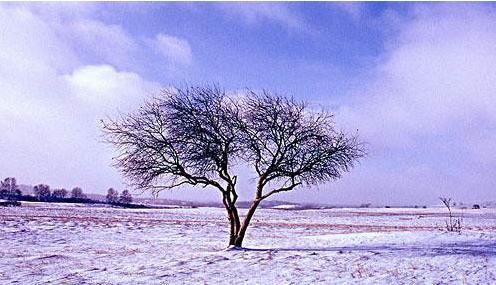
(59,193)
(42,192)
(125,197)
(112,196)
(77,193)
(193,136)
(9,189)
(452,224)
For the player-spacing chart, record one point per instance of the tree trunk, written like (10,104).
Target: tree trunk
(233,217)
(232,234)
(236,223)
(242,231)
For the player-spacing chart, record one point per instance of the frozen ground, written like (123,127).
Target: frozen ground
(71,244)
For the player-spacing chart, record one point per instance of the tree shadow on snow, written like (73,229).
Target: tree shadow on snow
(459,248)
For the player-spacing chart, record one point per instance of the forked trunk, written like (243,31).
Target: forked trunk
(242,231)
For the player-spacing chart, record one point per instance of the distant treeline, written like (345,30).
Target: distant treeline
(9,190)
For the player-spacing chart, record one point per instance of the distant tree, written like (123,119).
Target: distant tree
(125,197)
(42,192)
(112,196)
(9,189)
(59,193)
(195,135)
(77,193)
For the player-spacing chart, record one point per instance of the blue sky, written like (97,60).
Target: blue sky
(232,43)
(415,79)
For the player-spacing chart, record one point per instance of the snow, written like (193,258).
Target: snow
(285,207)
(75,244)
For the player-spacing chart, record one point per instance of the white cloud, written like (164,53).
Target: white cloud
(256,12)
(110,43)
(31,57)
(27,38)
(439,76)
(175,50)
(103,86)
(429,110)
(51,103)
(62,10)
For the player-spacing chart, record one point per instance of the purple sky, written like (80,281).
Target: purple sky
(416,79)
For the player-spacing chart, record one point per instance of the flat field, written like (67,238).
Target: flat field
(76,244)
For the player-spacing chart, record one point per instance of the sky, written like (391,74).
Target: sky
(416,80)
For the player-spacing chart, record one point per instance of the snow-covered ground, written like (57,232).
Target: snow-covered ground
(75,244)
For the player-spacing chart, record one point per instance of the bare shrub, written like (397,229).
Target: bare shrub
(452,224)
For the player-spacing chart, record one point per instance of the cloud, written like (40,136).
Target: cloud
(80,28)
(104,86)
(109,43)
(62,10)
(26,38)
(51,103)
(175,50)
(354,9)
(438,77)
(428,110)
(31,57)
(255,12)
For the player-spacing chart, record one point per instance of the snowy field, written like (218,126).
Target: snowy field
(75,244)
